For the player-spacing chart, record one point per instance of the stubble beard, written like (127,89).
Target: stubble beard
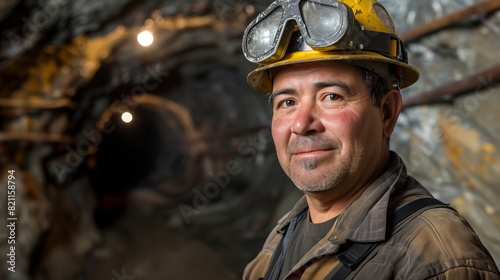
(330,178)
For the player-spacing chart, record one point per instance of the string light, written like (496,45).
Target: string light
(127,117)
(145,38)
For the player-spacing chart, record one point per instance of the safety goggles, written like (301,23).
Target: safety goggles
(324,25)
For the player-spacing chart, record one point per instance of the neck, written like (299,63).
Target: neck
(328,204)
(322,209)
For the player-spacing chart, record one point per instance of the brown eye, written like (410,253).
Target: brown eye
(286,103)
(333,97)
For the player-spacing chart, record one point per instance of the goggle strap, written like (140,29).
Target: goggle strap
(385,44)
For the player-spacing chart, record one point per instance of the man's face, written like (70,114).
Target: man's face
(326,130)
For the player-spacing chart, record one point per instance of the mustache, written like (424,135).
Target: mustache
(309,143)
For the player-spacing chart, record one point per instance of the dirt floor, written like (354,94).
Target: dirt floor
(141,246)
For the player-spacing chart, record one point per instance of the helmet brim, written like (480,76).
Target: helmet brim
(260,78)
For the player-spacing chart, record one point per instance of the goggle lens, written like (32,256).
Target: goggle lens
(320,20)
(329,24)
(262,36)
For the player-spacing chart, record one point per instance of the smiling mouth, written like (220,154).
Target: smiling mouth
(314,152)
(311,146)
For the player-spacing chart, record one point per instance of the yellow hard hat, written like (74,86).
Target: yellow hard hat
(359,32)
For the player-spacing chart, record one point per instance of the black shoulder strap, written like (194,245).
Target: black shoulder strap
(351,257)
(281,249)
(274,260)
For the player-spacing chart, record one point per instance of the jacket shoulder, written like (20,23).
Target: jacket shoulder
(439,241)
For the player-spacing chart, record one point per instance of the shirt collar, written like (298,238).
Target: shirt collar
(366,218)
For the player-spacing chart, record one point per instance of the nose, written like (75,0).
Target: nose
(307,120)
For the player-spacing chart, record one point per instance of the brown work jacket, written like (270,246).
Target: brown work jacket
(436,243)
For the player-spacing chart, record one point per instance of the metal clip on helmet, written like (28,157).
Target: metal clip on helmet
(357,32)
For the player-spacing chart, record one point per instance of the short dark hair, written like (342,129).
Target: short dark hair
(377,89)
(375,85)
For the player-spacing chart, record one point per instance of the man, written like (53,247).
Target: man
(333,70)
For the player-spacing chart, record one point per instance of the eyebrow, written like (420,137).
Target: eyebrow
(317,86)
(280,92)
(343,86)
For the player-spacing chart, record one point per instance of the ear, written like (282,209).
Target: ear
(390,107)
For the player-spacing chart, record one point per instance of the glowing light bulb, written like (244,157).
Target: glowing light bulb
(127,117)
(145,38)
